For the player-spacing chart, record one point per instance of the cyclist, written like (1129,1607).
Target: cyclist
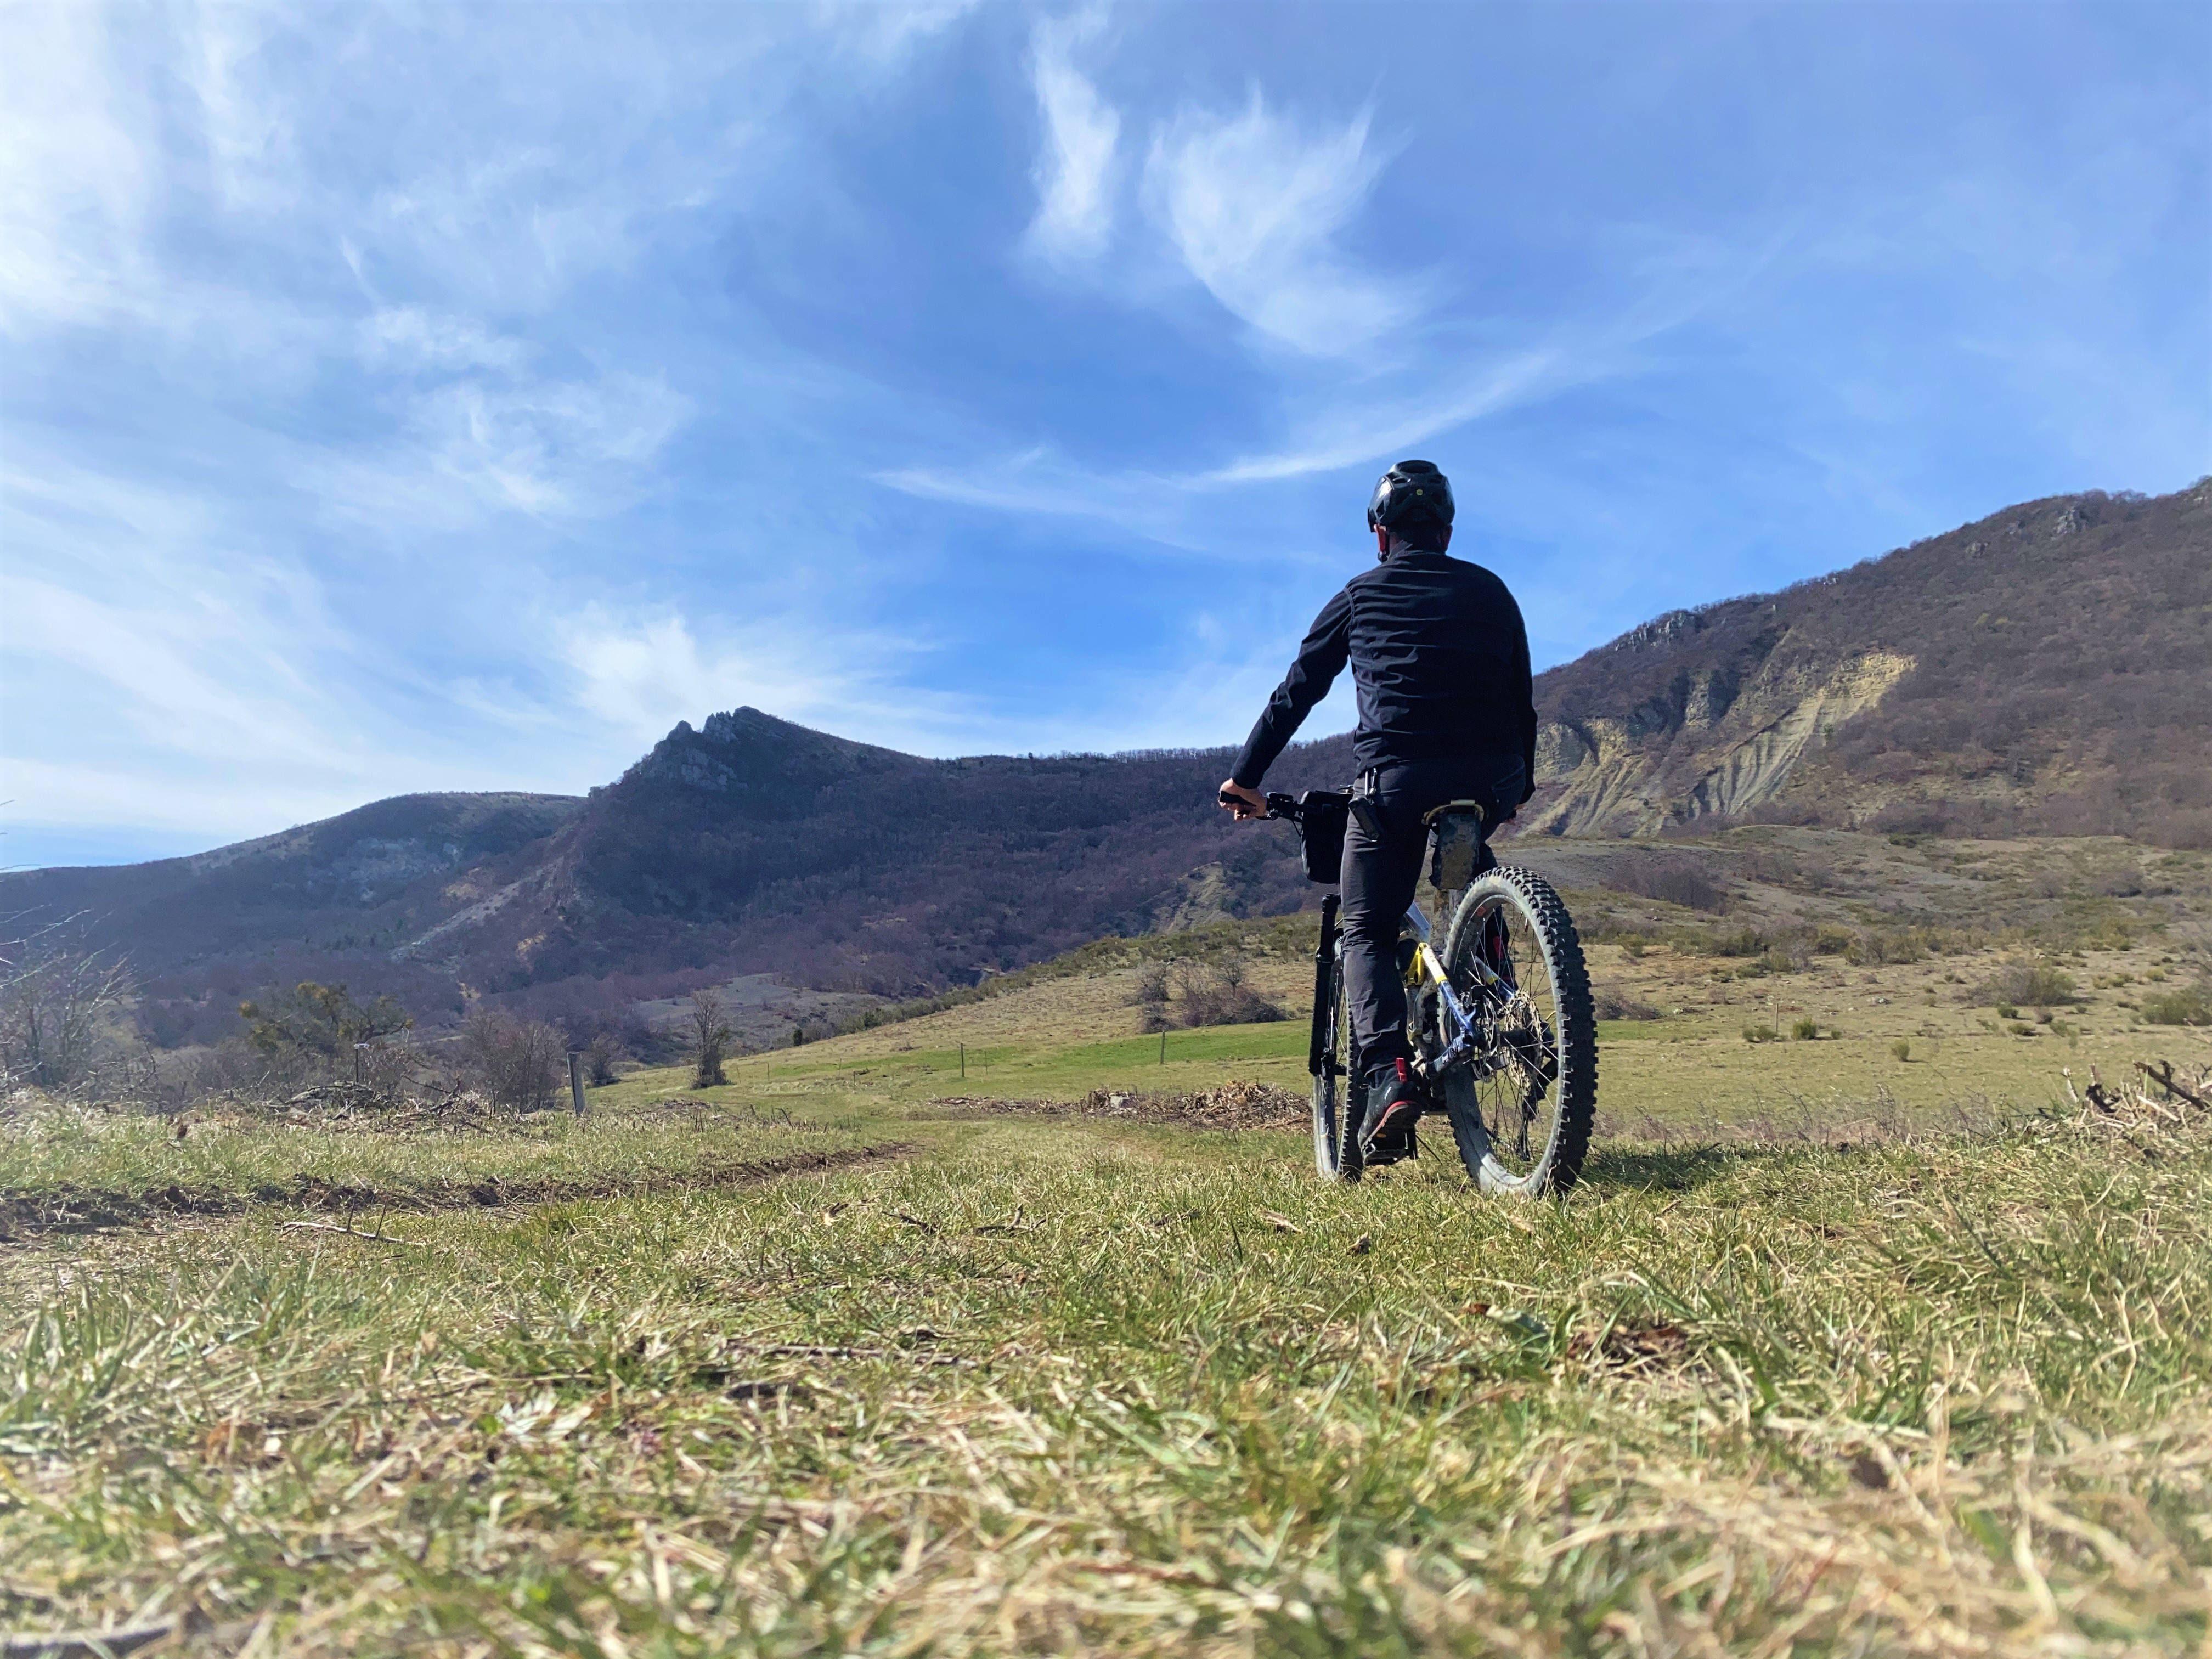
(1439,659)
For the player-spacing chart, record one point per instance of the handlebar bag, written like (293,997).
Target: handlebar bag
(1321,815)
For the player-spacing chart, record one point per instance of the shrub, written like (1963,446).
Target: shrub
(320,1020)
(1805,1030)
(1150,998)
(1761,1033)
(1902,1048)
(1896,945)
(1218,995)
(2038,984)
(1612,1005)
(1672,880)
(600,1057)
(2190,1004)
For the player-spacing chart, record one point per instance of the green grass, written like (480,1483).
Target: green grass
(1831,1353)
(1075,1386)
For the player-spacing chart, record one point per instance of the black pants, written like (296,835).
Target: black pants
(1381,868)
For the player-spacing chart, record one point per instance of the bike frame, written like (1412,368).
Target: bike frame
(1425,973)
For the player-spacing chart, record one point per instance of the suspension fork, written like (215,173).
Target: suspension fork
(1324,987)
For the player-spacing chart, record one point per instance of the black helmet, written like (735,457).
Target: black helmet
(1411,493)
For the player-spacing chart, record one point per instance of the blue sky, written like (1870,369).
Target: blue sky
(454,398)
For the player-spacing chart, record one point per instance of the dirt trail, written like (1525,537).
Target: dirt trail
(24,1216)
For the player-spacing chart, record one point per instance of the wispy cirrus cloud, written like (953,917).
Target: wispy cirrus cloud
(473,447)
(1338,432)
(1075,168)
(411,337)
(77,170)
(456,396)
(637,672)
(247,120)
(1254,204)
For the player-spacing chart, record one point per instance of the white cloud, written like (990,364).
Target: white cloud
(76,168)
(882,33)
(637,674)
(1343,432)
(216,680)
(472,447)
(1253,207)
(248,127)
(1075,168)
(409,337)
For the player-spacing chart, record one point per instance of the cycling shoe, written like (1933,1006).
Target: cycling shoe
(1394,1105)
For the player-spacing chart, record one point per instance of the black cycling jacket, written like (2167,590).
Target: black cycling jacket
(1440,659)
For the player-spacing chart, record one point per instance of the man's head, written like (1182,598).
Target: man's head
(1411,508)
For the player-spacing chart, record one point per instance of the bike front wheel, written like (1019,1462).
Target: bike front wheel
(1522,1105)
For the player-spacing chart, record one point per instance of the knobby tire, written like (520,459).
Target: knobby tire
(1545,933)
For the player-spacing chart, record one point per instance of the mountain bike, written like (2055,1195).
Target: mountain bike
(1499,1016)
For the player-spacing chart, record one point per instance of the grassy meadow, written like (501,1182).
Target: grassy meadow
(1833,1351)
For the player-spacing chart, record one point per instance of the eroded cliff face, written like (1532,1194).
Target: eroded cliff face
(2039,671)
(1732,747)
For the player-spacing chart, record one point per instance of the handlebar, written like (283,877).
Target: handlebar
(1285,807)
(1278,807)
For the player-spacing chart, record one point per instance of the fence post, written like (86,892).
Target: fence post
(1163,1048)
(576,1081)
(963,1062)
(357,1047)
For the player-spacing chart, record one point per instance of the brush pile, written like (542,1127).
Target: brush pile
(1235,1104)
(2161,1098)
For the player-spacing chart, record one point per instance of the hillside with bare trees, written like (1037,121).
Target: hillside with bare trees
(2041,671)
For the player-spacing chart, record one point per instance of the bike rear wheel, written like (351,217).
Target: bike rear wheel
(1336,1104)
(1522,1110)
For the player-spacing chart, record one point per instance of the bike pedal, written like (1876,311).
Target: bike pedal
(1375,1156)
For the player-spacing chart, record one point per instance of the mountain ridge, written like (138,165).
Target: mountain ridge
(2039,668)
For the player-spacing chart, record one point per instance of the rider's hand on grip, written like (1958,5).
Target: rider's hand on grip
(1241,802)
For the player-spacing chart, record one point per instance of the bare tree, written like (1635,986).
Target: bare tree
(710,1039)
(58,1005)
(518,1063)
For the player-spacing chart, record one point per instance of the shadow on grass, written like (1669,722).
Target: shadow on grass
(1635,1168)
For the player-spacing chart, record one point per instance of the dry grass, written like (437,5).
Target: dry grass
(1833,1351)
(1071,1386)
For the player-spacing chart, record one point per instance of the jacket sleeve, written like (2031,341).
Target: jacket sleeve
(1320,660)
(1523,691)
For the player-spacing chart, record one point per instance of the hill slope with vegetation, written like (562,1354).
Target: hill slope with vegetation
(2039,671)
